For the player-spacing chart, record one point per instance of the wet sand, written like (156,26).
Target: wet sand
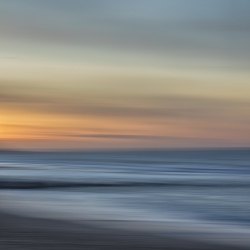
(24,233)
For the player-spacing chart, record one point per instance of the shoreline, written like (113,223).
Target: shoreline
(22,232)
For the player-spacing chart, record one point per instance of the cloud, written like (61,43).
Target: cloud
(21,94)
(164,140)
(133,106)
(194,29)
(23,99)
(113,136)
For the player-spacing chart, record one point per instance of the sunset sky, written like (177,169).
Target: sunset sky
(101,74)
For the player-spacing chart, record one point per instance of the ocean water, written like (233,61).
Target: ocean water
(187,193)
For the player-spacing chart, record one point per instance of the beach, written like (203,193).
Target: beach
(20,232)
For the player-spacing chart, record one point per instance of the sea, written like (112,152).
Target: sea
(201,194)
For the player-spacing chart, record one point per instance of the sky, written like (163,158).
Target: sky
(105,74)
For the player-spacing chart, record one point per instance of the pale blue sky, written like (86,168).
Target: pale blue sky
(209,29)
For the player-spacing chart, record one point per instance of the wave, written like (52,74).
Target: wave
(41,184)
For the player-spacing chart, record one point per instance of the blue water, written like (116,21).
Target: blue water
(203,190)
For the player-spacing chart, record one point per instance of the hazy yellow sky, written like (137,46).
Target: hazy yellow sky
(124,74)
